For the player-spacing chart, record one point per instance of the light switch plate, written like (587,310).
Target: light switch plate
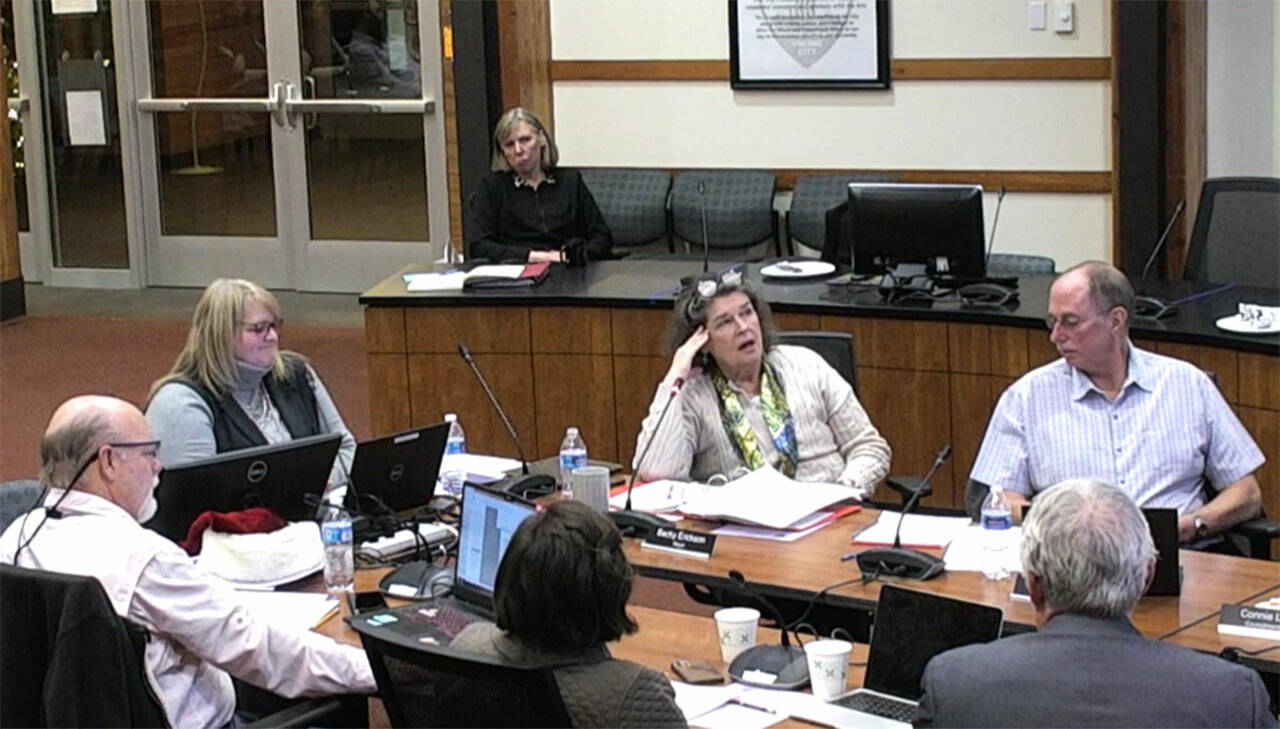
(1036,15)
(1064,17)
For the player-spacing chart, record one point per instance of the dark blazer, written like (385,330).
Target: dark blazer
(1079,671)
(510,221)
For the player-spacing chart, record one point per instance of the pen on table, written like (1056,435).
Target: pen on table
(848,556)
(332,611)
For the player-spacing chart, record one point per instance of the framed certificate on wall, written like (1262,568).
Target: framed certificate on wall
(809,44)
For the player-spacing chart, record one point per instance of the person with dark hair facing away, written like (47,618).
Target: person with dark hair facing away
(560,595)
(530,210)
(749,402)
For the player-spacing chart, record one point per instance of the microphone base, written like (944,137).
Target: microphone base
(529,486)
(637,523)
(788,663)
(897,562)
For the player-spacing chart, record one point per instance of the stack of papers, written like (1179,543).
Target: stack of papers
(714,707)
(765,498)
(478,468)
(457,280)
(918,530)
(966,553)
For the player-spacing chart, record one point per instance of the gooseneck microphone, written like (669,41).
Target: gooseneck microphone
(785,663)
(991,240)
(909,563)
(638,523)
(1151,307)
(706,242)
(527,484)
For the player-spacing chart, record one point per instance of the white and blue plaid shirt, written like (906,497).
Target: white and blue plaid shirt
(1167,430)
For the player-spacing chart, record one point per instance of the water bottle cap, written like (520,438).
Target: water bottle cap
(571,431)
(450,417)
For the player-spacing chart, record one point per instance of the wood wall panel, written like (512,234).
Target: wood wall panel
(901,344)
(969,348)
(441,383)
(575,390)
(482,329)
(639,331)
(910,409)
(1040,350)
(524,50)
(635,379)
(973,397)
(388,383)
(1259,377)
(1221,362)
(1076,69)
(571,330)
(384,329)
(10,263)
(1009,350)
(1264,426)
(798,322)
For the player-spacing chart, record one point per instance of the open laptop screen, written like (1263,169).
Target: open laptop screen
(489,519)
(912,627)
(400,469)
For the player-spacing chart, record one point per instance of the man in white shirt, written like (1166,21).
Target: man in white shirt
(99,465)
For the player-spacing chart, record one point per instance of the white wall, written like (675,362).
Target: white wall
(1243,88)
(1011,125)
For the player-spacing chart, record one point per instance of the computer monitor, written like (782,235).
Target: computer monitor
(937,225)
(278,477)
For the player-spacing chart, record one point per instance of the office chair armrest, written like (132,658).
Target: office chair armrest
(1259,528)
(907,486)
(312,712)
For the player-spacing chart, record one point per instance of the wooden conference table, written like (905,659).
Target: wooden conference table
(584,349)
(797,570)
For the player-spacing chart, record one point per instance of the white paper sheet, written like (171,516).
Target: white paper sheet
(737,716)
(479,469)
(764,497)
(696,700)
(442,281)
(918,530)
(299,610)
(85,124)
(661,495)
(966,553)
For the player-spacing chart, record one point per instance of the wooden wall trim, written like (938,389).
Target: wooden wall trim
(1058,181)
(10,262)
(524,50)
(903,69)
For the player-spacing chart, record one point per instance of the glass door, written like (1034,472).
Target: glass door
(297,143)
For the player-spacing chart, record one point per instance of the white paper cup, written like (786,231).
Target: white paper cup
(828,667)
(591,486)
(736,627)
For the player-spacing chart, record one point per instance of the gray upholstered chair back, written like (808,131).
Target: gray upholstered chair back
(1018,264)
(633,202)
(739,207)
(17,498)
(1236,238)
(811,198)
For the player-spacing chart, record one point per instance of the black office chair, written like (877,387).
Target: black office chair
(835,347)
(433,686)
(66,658)
(1236,237)
(805,221)
(633,203)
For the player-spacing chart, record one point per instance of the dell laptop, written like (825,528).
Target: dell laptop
(398,470)
(288,478)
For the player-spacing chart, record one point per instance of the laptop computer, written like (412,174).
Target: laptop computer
(279,477)
(489,519)
(400,470)
(1163,524)
(909,629)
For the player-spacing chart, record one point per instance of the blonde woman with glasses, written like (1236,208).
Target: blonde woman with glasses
(232,387)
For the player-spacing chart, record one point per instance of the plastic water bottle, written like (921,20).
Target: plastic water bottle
(573,454)
(996,522)
(339,557)
(457,440)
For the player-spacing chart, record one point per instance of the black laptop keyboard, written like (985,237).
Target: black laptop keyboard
(878,705)
(441,620)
